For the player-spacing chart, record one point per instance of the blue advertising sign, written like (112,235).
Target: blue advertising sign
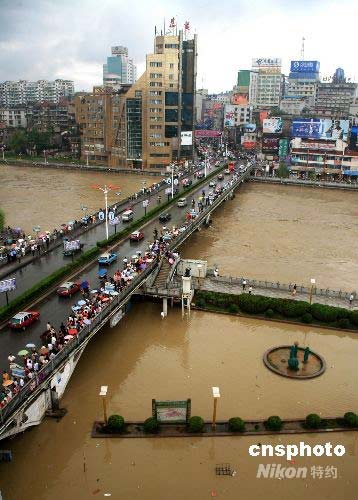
(318,128)
(353,143)
(304,66)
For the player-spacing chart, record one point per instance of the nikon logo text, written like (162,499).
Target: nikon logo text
(276,471)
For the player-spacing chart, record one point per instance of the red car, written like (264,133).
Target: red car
(67,289)
(136,236)
(23,319)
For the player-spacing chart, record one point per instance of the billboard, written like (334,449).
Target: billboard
(283,148)
(304,66)
(319,128)
(272,126)
(353,143)
(263,116)
(207,133)
(266,62)
(229,116)
(249,127)
(173,412)
(186,138)
(240,99)
(270,144)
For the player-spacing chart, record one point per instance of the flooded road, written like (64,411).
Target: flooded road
(146,357)
(286,234)
(48,197)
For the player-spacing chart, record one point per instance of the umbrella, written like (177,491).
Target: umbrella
(23,352)
(84,284)
(47,232)
(81,302)
(30,346)
(75,308)
(43,350)
(86,322)
(7,383)
(68,337)
(114,293)
(42,235)
(72,331)
(94,291)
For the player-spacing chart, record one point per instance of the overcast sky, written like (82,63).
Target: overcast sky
(48,39)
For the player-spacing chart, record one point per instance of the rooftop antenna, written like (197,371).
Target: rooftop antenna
(303,48)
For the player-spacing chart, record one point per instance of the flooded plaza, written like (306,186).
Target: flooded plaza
(49,197)
(145,357)
(286,234)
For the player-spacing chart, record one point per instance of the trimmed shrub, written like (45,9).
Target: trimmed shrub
(274,423)
(324,313)
(253,304)
(307,318)
(151,425)
(269,313)
(200,302)
(236,424)
(196,424)
(354,317)
(351,419)
(115,423)
(291,308)
(313,421)
(233,308)
(343,323)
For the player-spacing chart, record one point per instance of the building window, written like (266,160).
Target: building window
(171,46)
(171,85)
(155,110)
(155,101)
(155,92)
(155,64)
(155,127)
(155,84)
(156,75)
(171,98)
(138,93)
(171,115)
(171,65)
(159,144)
(155,136)
(171,77)
(159,155)
(156,118)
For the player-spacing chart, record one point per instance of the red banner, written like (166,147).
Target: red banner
(207,133)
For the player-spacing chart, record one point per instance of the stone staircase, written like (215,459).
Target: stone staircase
(161,279)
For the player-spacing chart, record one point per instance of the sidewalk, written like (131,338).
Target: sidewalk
(212,285)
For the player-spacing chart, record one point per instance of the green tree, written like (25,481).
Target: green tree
(39,141)
(18,142)
(282,170)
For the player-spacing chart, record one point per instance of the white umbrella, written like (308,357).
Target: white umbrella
(30,345)
(68,337)
(81,302)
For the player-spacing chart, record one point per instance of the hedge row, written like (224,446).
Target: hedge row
(34,292)
(287,308)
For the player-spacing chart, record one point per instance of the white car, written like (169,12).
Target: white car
(182,202)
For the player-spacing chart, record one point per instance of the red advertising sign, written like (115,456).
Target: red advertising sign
(249,145)
(263,116)
(207,133)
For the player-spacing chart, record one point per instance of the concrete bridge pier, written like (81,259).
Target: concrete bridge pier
(165,307)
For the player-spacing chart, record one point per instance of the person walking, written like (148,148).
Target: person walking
(351,298)
(250,290)
(294,291)
(23,250)
(244,285)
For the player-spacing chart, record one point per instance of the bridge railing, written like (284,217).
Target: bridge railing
(29,388)
(276,285)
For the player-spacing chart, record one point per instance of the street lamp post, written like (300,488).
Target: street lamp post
(216,396)
(106,189)
(3,153)
(45,156)
(103,394)
(313,282)
(205,163)
(199,267)
(87,153)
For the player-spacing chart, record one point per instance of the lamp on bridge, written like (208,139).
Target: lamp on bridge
(199,267)
(216,396)
(103,394)
(313,282)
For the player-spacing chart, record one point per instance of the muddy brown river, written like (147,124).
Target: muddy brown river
(49,197)
(147,357)
(267,232)
(286,234)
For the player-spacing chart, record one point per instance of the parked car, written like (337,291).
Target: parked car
(68,288)
(23,319)
(136,236)
(127,215)
(227,171)
(193,213)
(212,184)
(165,217)
(220,177)
(107,258)
(200,175)
(187,182)
(182,202)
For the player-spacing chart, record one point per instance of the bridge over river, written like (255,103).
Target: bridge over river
(42,393)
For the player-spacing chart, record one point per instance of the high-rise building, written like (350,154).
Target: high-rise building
(334,100)
(200,95)
(268,85)
(119,68)
(149,124)
(23,92)
(302,82)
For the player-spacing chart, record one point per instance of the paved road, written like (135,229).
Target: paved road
(39,268)
(56,309)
